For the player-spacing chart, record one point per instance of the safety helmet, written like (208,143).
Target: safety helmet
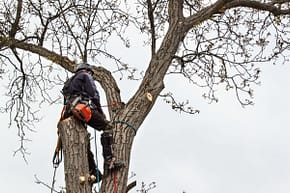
(84,66)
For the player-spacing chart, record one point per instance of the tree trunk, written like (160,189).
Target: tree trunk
(116,181)
(75,140)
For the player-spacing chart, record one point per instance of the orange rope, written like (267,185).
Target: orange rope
(113,104)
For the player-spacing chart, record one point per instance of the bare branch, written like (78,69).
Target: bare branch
(152,26)
(51,188)
(15,25)
(178,106)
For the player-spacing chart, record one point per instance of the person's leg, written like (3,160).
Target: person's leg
(99,123)
(107,143)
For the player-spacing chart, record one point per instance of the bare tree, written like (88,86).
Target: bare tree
(213,44)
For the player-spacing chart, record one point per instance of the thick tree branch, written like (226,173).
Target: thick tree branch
(221,5)
(152,26)
(270,7)
(175,11)
(152,83)
(41,51)
(204,14)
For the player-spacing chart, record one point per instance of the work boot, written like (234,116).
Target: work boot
(110,160)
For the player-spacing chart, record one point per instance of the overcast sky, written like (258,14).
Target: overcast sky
(224,149)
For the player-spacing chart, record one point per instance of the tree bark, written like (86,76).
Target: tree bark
(75,140)
(116,181)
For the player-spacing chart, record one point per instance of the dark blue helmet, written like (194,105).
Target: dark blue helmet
(84,66)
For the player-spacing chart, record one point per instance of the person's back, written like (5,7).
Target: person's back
(82,84)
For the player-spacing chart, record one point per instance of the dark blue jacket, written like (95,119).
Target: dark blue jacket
(83,84)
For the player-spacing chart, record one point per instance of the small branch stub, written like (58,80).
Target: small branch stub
(92,178)
(82,179)
(149,96)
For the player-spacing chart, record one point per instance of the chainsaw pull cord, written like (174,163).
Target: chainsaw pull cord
(97,167)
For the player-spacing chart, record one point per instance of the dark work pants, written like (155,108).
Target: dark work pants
(97,121)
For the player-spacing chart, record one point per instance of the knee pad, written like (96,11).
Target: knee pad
(107,139)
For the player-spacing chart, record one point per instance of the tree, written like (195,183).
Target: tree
(213,44)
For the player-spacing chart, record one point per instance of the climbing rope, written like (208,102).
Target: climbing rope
(114,104)
(128,124)
(53,180)
(97,165)
(57,159)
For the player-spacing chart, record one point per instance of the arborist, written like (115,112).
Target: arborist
(82,100)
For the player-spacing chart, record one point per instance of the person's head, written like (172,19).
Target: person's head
(86,67)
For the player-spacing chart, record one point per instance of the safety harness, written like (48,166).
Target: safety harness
(80,107)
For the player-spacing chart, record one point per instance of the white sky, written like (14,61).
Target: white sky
(224,149)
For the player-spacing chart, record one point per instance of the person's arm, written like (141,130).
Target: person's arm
(91,90)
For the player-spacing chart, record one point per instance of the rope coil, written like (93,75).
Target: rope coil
(128,124)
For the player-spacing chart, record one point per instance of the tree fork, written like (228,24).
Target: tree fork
(75,140)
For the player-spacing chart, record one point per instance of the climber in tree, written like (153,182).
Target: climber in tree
(82,99)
